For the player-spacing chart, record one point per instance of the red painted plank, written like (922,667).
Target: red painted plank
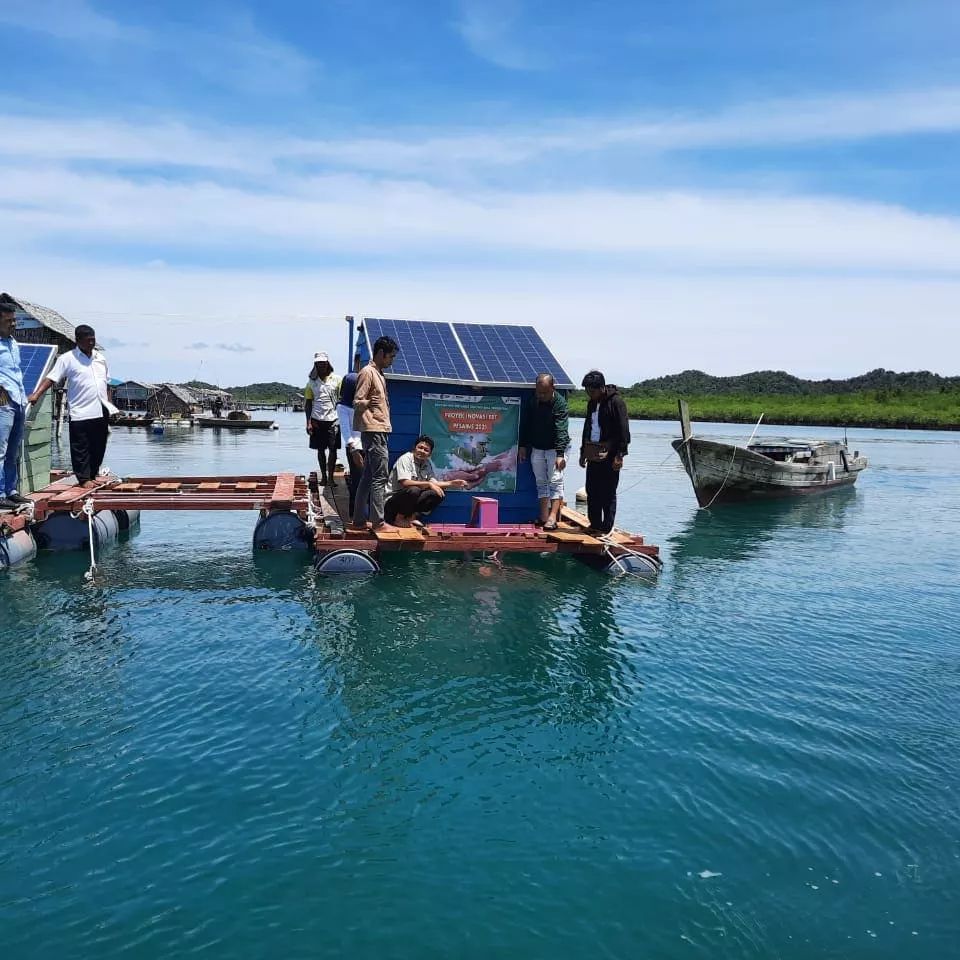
(283,491)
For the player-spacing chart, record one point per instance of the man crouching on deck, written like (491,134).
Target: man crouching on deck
(413,488)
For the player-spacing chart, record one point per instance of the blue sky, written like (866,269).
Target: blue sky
(728,186)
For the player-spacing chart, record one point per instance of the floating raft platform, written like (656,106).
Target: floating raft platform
(297,513)
(485,534)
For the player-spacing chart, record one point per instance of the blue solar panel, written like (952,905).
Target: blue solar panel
(35,360)
(428,351)
(507,354)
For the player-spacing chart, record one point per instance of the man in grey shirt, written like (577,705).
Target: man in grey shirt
(413,489)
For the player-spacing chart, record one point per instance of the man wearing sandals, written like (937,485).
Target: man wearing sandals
(544,438)
(413,489)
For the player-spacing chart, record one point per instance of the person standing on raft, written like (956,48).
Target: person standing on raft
(85,372)
(544,438)
(371,416)
(606,438)
(320,398)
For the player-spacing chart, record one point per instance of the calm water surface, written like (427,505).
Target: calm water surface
(219,754)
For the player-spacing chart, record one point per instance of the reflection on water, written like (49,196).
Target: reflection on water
(739,531)
(547,633)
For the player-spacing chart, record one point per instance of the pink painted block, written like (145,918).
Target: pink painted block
(485,513)
(467,530)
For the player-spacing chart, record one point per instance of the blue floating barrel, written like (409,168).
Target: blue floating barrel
(63,531)
(16,548)
(282,530)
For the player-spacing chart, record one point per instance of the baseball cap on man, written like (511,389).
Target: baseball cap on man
(320,358)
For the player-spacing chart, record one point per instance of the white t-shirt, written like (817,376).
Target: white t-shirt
(86,380)
(595,426)
(407,468)
(324,394)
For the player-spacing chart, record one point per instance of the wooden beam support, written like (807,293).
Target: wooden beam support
(284,489)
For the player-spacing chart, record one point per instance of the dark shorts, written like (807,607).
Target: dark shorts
(325,435)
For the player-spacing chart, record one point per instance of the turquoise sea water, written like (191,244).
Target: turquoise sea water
(215,753)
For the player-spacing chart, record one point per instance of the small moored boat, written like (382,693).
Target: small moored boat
(765,470)
(236,423)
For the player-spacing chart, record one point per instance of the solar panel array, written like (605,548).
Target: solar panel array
(505,354)
(486,353)
(35,361)
(427,350)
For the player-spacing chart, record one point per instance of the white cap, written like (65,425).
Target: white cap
(320,358)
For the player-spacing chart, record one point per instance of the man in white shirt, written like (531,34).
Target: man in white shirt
(413,488)
(85,372)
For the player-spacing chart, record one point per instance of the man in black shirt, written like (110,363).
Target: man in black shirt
(606,437)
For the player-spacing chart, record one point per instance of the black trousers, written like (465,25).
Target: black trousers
(88,444)
(353,480)
(602,483)
(409,502)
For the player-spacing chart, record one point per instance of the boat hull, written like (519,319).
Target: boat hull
(225,424)
(725,473)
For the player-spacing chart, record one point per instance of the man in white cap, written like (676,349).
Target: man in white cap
(320,398)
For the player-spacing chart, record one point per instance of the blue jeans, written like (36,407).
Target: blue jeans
(11,437)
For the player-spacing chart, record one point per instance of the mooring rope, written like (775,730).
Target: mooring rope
(88,510)
(730,467)
(609,543)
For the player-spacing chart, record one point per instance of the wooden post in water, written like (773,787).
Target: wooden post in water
(685,432)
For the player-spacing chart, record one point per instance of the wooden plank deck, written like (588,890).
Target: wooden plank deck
(520,538)
(285,491)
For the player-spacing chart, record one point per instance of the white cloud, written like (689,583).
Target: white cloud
(631,326)
(362,216)
(454,155)
(229,53)
(640,281)
(73,20)
(490,30)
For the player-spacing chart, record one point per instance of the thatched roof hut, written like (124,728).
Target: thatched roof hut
(36,324)
(169,399)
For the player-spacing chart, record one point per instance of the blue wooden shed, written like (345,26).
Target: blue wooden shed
(455,374)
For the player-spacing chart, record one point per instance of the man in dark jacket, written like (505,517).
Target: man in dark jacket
(606,437)
(544,438)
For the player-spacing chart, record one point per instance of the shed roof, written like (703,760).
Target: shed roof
(181,393)
(49,318)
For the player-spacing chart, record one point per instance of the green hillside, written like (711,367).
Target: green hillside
(273,392)
(880,398)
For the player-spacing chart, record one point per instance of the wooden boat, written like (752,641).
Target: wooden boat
(765,470)
(130,420)
(228,423)
(175,422)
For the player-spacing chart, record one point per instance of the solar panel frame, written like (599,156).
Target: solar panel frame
(506,354)
(36,360)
